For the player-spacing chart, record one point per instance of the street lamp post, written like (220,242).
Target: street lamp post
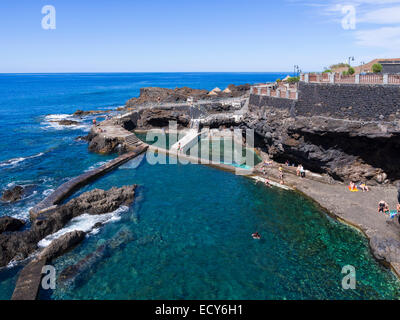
(296,68)
(350,59)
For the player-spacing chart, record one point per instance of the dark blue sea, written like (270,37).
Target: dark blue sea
(188,234)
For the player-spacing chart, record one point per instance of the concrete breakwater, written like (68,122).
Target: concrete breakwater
(65,190)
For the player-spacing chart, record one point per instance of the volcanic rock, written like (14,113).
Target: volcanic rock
(8,224)
(13,195)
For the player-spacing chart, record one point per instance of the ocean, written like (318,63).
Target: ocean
(188,234)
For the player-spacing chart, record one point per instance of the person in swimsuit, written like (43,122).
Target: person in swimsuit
(364,187)
(383,207)
(256,236)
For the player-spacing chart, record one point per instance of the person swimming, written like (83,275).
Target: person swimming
(256,236)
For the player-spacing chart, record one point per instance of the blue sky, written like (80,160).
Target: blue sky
(185,35)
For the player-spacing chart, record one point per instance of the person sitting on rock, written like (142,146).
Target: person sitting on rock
(302,172)
(298,170)
(352,186)
(364,187)
(383,207)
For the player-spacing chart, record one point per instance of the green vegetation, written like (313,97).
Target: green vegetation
(351,71)
(345,73)
(293,79)
(377,68)
(327,71)
(278,80)
(339,65)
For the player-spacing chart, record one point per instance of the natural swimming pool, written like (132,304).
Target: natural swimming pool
(188,236)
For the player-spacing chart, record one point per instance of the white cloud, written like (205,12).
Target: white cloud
(377,22)
(382,16)
(386,37)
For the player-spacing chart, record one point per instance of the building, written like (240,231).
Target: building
(390,66)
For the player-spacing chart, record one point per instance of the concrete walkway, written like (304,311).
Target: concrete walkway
(51,202)
(189,140)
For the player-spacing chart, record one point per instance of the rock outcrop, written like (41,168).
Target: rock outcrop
(346,150)
(67,122)
(8,224)
(17,246)
(164,95)
(81,113)
(13,195)
(104,145)
(62,245)
(155,117)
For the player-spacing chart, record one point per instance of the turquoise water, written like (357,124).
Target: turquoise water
(217,152)
(215,147)
(188,233)
(190,239)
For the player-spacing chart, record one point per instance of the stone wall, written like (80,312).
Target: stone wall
(342,101)
(257,101)
(349,101)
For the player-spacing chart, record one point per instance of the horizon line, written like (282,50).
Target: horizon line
(128,72)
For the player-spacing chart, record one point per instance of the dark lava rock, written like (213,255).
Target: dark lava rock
(8,224)
(62,245)
(164,95)
(100,144)
(346,150)
(68,123)
(81,113)
(160,118)
(17,246)
(13,195)
(82,139)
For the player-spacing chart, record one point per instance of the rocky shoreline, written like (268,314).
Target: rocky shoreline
(19,245)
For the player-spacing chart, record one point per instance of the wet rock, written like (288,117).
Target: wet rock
(81,138)
(67,122)
(81,113)
(103,145)
(62,245)
(16,246)
(8,224)
(13,195)
(93,202)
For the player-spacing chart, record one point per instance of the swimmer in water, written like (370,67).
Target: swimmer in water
(256,236)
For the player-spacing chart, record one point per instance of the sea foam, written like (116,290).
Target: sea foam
(85,223)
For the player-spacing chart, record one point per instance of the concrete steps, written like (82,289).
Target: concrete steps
(133,141)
